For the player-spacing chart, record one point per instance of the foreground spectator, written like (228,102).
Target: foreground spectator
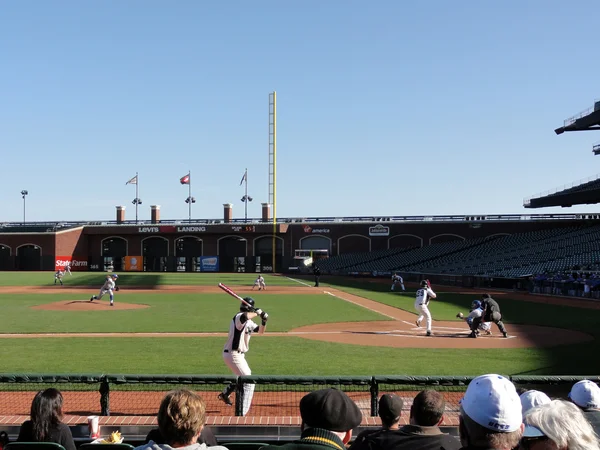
(328,418)
(206,437)
(558,425)
(426,414)
(181,418)
(390,410)
(46,421)
(490,415)
(531,399)
(586,395)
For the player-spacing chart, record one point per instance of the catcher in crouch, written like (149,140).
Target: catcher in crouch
(241,328)
(476,311)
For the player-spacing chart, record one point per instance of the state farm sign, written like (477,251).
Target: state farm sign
(379,230)
(60,263)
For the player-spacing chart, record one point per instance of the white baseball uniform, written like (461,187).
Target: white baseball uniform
(68,268)
(107,288)
(58,276)
(421,302)
(260,282)
(234,352)
(483,326)
(397,280)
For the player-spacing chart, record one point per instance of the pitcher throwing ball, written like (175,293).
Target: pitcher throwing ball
(108,287)
(422,302)
(241,328)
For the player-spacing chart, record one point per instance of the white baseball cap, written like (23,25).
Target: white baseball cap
(531,399)
(492,402)
(585,394)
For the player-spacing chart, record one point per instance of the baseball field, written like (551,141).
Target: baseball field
(176,323)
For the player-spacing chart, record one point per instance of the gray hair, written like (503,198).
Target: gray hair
(565,424)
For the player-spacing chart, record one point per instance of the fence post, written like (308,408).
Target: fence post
(239,397)
(104,397)
(374,397)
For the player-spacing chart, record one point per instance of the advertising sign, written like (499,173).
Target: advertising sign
(209,263)
(379,230)
(133,263)
(77,263)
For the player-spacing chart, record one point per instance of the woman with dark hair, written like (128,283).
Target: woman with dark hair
(46,421)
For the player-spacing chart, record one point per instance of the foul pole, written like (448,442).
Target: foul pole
(273,170)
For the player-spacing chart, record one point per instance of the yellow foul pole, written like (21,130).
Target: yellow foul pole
(274,245)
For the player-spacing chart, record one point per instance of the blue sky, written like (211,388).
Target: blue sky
(384,107)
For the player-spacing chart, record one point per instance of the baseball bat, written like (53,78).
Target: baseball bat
(233,294)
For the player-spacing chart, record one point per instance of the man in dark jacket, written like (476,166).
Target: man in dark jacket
(491,313)
(390,409)
(426,414)
(328,418)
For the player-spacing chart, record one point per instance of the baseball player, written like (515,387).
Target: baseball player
(68,268)
(491,313)
(260,282)
(108,287)
(241,328)
(476,311)
(59,276)
(397,281)
(421,304)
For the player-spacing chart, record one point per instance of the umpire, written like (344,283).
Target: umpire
(491,313)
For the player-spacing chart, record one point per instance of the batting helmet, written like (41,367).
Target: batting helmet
(245,308)
(115,276)
(424,283)
(475,305)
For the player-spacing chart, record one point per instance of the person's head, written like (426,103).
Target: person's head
(249,306)
(585,394)
(427,409)
(115,276)
(390,409)
(475,305)
(331,410)
(485,296)
(424,284)
(490,414)
(531,399)
(558,425)
(46,412)
(181,417)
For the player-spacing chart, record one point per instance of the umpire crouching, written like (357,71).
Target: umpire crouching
(328,418)
(491,313)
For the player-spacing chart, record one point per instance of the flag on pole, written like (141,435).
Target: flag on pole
(244,177)
(185,179)
(132,181)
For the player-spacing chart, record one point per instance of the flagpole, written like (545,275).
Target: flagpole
(190,197)
(137,184)
(246,202)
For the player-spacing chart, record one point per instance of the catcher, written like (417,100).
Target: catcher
(108,287)
(476,311)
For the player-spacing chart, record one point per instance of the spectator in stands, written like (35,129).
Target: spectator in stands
(423,432)
(586,395)
(181,418)
(328,418)
(206,437)
(558,425)
(46,421)
(490,414)
(531,399)
(390,409)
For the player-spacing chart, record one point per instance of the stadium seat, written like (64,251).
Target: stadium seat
(34,446)
(244,445)
(91,446)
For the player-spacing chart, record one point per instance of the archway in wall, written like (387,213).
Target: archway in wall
(263,253)
(188,250)
(114,248)
(155,250)
(405,241)
(29,257)
(6,258)
(232,254)
(316,243)
(441,238)
(353,243)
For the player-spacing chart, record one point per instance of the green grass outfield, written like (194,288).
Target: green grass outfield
(183,312)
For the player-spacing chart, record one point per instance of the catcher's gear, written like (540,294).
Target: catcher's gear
(460,315)
(475,305)
(245,308)
(424,284)
(117,288)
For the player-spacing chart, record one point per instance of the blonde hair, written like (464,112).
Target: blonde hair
(564,424)
(181,417)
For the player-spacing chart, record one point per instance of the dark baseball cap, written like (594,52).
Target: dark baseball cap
(390,407)
(330,409)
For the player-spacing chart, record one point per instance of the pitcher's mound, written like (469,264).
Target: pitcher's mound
(86,305)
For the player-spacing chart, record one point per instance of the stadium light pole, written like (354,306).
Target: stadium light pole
(24,193)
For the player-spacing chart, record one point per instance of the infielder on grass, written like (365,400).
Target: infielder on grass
(238,341)
(59,276)
(422,302)
(108,287)
(260,282)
